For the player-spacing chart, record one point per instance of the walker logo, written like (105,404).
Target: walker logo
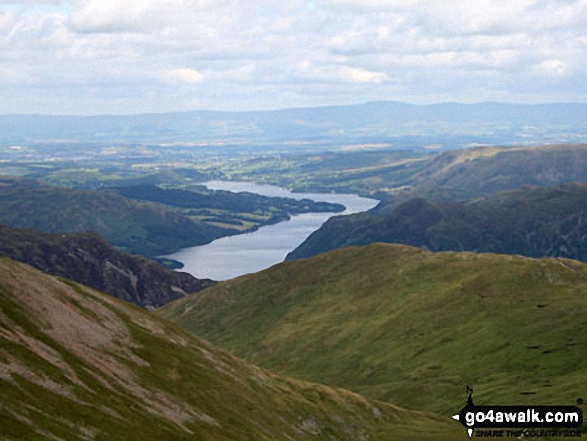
(520,421)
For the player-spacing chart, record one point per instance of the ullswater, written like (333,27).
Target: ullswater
(233,256)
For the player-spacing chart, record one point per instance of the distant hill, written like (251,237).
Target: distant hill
(469,173)
(395,176)
(531,221)
(88,259)
(445,125)
(408,326)
(203,199)
(76,364)
(135,227)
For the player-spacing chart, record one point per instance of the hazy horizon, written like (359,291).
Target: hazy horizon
(317,106)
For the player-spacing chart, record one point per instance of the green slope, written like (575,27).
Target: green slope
(485,170)
(203,198)
(531,221)
(76,364)
(408,326)
(136,227)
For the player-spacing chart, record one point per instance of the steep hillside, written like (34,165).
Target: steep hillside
(487,169)
(127,224)
(530,221)
(76,364)
(409,326)
(88,259)
(469,173)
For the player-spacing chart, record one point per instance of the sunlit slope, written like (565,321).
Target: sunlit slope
(409,326)
(479,171)
(76,364)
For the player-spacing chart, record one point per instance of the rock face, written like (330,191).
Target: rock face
(88,259)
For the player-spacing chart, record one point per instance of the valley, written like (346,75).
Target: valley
(233,256)
(417,262)
(315,220)
(145,220)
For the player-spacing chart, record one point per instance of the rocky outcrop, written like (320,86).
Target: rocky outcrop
(89,259)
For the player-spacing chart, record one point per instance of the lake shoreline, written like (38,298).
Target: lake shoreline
(235,255)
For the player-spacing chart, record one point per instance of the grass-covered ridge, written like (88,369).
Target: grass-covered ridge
(409,326)
(76,364)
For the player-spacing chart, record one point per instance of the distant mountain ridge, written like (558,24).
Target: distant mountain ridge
(453,124)
(88,259)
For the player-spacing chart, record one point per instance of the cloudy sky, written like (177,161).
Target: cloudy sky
(135,56)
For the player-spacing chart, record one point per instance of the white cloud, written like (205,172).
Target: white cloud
(554,67)
(340,74)
(279,54)
(6,21)
(182,75)
(358,75)
(113,16)
(33,2)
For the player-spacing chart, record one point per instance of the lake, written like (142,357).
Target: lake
(233,256)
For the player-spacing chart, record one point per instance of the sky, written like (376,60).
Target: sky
(141,56)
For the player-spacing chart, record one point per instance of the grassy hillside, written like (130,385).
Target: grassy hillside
(530,221)
(88,259)
(470,173)
(76,364)
(136,227)
(490,169)
(409,326)
(365,172)
(202,198)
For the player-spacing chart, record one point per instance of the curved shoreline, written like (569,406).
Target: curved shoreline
(232,256)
